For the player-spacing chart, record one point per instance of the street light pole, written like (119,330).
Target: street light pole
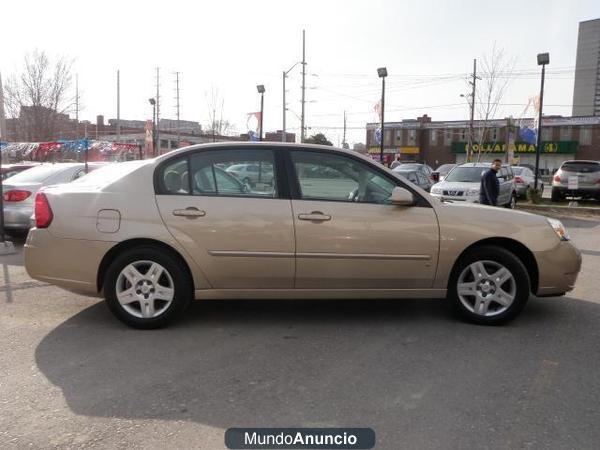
(261,90)
(382,72)
(542,59)
(153,103)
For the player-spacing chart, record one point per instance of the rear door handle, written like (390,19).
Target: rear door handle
(190,212)
(315,216)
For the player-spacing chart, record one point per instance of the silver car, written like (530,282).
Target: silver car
(584,177)
(20,189)
(525,179)
(463,184)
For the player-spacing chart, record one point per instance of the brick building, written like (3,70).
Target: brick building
(437,143)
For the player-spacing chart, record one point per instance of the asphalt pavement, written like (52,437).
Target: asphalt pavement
(71,376)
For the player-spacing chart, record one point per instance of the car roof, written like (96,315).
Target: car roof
(253,145)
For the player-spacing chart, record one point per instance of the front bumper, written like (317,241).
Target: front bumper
(558,269)
(69,263)
(469,199)
(17,217)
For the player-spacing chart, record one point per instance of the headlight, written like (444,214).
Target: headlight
(559,229)
(436,190)
(472,192)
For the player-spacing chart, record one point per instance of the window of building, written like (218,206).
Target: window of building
(546,134)
(433,137)
(399,136)
(447,137)
(463,134)
(566,133)
(494,134)
(585,136)
(388,138)
(412,137)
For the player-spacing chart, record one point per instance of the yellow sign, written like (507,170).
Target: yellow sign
(409,150)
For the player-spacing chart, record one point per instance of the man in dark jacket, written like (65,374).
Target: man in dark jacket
(490,186)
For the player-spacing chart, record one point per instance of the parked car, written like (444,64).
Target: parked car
(440,173)
(20,190)
(417,177)
(525,179)
(8,170)
(150,247)
(585,173)
(464,181)
(423,168)
(251,174)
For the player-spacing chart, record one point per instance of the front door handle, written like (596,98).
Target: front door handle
(190,212)
(315,216)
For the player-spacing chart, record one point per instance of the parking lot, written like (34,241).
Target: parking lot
(72,376)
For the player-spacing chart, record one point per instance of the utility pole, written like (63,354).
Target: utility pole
(157,149)
(2,114)
(76,106)
(344,139)
(283,132)
(471,134)
(302,118)
(177,107)
(118,106)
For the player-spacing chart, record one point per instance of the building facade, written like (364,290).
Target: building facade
(436,143)
(586,94)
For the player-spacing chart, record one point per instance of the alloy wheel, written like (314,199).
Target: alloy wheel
(486,288)
(145,289)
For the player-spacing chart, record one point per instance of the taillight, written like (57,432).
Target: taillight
(518,179)
(16,195)
(43,212)
(557,178)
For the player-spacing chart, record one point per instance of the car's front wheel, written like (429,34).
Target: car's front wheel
(147,287)
(489,285)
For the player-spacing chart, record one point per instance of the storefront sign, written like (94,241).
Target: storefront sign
(519,147)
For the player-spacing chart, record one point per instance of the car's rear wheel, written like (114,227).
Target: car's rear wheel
(489,285)
(147,287)
(512,204)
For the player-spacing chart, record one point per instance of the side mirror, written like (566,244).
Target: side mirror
(402,197)
(435,176)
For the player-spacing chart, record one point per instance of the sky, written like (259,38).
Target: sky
(228,47)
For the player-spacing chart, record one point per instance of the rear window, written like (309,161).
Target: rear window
(517,170)
(109,173)
(36,174)
(581,166)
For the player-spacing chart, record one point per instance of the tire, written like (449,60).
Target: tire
(513,201)
(499,304)
(556,196)
(164,298)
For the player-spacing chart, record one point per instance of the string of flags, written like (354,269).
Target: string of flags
(64,148)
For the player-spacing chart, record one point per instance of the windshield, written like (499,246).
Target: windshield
(466,174)
(36,174)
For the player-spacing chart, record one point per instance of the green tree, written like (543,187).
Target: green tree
(318,138)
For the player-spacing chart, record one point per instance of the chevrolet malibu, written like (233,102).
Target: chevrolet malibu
(151,236)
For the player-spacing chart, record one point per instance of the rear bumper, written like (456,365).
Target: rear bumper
(590,191)
(69,263)
(17,217)
(558,269)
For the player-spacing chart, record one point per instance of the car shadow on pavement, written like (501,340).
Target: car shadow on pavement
(408,369)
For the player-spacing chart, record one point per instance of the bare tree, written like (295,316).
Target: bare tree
(217,126)
(39,94)
(497,71)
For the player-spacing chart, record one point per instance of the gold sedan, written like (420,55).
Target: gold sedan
(312,222)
